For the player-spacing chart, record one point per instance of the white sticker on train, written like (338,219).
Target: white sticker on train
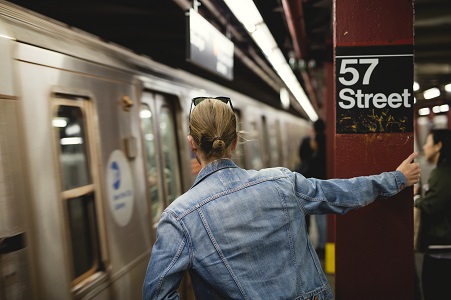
(119,188)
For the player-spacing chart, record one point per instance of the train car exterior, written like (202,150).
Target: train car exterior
(92,149)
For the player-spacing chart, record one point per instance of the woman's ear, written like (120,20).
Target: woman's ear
(192,143)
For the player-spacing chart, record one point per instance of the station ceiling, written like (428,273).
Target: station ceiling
(156,28)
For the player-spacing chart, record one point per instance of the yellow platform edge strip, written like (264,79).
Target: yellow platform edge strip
(330,258)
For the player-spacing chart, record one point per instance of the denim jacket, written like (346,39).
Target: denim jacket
(241,234)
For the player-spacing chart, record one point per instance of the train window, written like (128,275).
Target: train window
(169,149)
(78,188)
(81,218)
(148,129)
(163,166)
(73,156)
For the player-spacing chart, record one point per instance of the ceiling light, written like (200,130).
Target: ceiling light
(448,87)
(436,109)
(431,93)
(416,86)
(284,98)
(444,108)
(424,111)
(247,13)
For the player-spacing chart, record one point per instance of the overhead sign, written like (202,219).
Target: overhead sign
(374,89)
(209,48)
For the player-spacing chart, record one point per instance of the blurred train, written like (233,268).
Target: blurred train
(92,149)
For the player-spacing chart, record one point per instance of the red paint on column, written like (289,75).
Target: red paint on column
(374,245)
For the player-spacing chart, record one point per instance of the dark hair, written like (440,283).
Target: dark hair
(443,136)
(319,126)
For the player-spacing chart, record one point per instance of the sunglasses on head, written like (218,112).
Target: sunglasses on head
(225,100)
(195,101)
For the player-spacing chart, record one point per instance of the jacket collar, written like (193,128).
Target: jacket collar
(212,167)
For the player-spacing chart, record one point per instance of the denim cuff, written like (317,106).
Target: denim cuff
(401,180)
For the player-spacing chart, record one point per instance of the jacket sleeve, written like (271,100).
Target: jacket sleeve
(339,196)
(168,261)
(437,197)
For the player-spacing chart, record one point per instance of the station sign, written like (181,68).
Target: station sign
(207,47)
(374,89)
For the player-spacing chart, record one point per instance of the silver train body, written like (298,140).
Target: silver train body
(92,148)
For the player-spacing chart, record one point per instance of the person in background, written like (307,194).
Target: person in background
(305,166)
(435,206)
(319,162)
(240,233)
(312,155)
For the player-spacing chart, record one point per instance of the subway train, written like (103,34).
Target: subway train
(92,149)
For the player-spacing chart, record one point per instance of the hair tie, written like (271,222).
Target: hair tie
(216,138)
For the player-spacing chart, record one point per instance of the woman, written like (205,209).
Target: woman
(435,209)
(241,234)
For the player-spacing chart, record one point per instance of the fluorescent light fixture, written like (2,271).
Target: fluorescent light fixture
(284,98)
(431,93)
(444,108)
(448,87)
(416,86)
(262,36)
(247,13)
(414,100)
(71,141)
(424,111)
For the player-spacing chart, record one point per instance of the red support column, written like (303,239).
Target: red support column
(373,51)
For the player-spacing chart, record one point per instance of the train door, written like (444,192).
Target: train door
(158,125)
(79,184)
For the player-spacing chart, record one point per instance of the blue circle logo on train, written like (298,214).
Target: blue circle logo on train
(117,175)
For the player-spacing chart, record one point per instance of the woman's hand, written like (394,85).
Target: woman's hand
(410,169)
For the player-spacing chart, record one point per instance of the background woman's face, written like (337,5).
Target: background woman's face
(431,151)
